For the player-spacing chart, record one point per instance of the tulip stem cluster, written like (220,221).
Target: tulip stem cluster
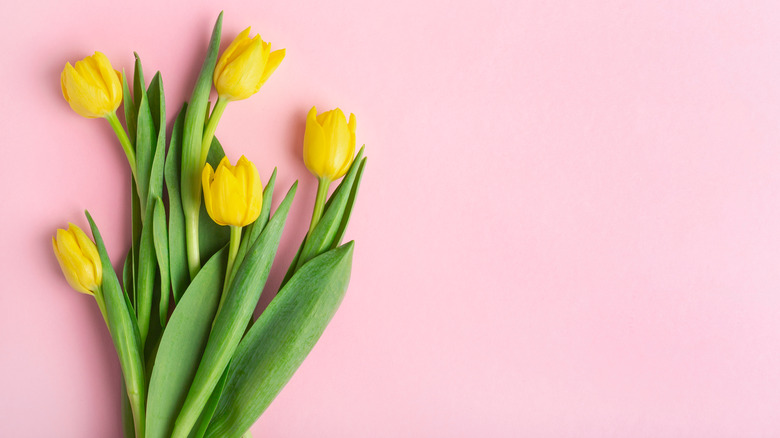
(200,365)
(113,120)
(319,202)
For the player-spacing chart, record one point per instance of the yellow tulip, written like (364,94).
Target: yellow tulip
(329,143)
(245,66)
(78,259)
(233,195)
(92,88)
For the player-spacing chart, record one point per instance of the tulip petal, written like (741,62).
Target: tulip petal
(89,250)
(207,178)
(230,53)
(73,263)
(314,146)
(274,59)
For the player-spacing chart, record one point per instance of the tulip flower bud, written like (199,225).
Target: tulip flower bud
(78,259)
(245,66)
(233,195)
(329,143)
(92,88)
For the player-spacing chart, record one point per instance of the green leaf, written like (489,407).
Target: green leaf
(138,80)
(131,262)
(182,345)
(233,316)
(280,340)
(350,204)
(145,142)
(124,332)
(128,430)
(147,272)
(211,406)
(156,99)
(193,126)
(177,244)
(160,229)
(212,236)
(131,112)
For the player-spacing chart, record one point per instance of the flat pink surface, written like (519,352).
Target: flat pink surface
(569,225)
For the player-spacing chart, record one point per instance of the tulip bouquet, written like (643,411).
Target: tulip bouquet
(194,362)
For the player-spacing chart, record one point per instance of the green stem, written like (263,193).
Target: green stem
(193,248)
(319,203)
(211,128)
(192,209)
(235,242)
(125,141)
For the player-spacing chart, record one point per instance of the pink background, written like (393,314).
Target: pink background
(569,225)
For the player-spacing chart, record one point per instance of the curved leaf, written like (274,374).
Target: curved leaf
(280,340)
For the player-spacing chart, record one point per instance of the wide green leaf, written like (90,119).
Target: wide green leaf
(182,346)
(280,340)
(233,316)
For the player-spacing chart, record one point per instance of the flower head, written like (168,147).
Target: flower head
(233,195)
(245,66)
(329,143)
(78,259)
(92,87)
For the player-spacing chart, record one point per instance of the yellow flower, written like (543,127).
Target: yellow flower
(233,195)
(92,88)
(329,143)
(245,66)
(78,259)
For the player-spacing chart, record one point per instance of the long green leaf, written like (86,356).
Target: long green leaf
(124,332)
(147,272)
(160,229)
(177,244)
(193,126)
(145,142)
(232,318)
(280,340)
(211,406)
(182,346)
(156,98)
(138,80)
(350,205)
(131,112)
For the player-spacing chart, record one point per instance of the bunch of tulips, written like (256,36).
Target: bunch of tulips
(194,362)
